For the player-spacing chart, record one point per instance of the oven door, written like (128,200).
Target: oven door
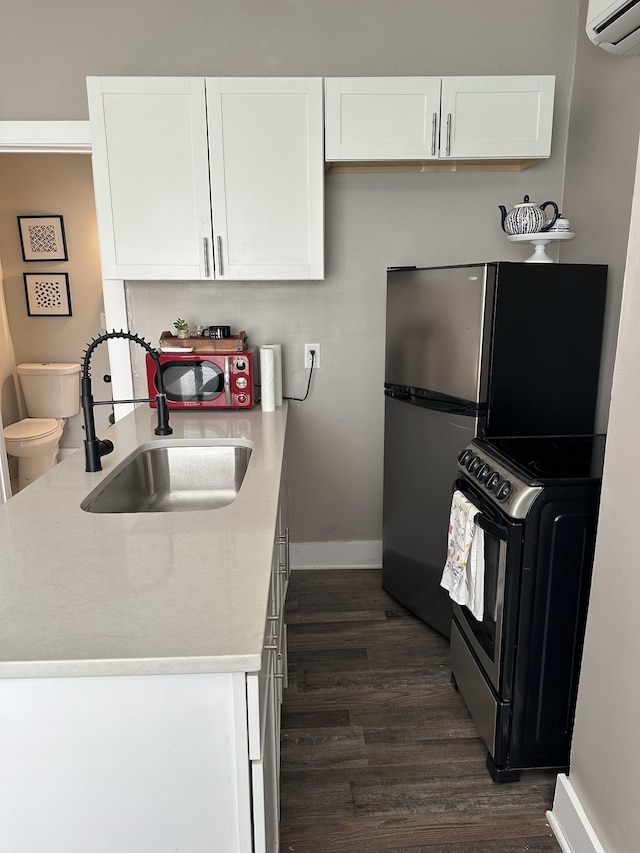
(502,550)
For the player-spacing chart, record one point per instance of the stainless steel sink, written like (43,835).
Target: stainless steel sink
(173,477)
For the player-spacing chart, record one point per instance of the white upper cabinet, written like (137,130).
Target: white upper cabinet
(496,117)
(382,118)
(438,118)
(151,176)
(215,179)
(267,176)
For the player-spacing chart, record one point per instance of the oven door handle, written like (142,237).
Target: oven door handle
(497,530)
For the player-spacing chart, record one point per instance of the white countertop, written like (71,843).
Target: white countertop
(88,594)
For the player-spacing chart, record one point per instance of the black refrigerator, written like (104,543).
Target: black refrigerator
(493,349)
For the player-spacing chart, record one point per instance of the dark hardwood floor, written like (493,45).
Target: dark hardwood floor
(379,754)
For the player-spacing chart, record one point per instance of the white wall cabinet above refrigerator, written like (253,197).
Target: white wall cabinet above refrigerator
(217,178)
(438,118)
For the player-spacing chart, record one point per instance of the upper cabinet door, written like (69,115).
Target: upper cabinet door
(151,177)
(382,118)
(267,177)
(496,117)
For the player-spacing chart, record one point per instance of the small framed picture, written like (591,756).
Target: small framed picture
(48,294)
(42,238)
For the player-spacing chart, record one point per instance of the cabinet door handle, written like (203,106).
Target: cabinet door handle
(448,134)
(434,131)
(219,244)
(207,266)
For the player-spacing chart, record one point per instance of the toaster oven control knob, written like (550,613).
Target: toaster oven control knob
(503,490)
(241,382)
(492,481)
(242,399)
(241,365)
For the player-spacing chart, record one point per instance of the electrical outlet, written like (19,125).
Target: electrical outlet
(307,355)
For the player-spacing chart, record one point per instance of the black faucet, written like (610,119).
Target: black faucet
(94,447)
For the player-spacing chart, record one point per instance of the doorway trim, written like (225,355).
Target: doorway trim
(45,137)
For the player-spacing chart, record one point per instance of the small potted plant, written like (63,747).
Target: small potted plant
(182,328)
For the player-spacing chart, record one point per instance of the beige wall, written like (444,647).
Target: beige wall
(9,396)
(53,184)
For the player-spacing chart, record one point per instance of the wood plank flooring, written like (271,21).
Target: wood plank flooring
(379,754)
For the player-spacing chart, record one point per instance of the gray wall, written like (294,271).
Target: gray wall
(599,190)
(372,220)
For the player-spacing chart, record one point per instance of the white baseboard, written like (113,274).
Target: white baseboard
(363,554)
(569,821)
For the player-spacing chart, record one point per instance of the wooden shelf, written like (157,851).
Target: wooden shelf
(344,167)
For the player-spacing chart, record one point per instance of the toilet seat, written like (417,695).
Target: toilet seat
(31,429)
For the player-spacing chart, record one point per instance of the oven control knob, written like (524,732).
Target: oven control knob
(241,365)
(503,490)
(242,399)
(474,465)
(464,456)
(492,480)
(483,472)
(241,382)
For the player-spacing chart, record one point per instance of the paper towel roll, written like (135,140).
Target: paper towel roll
(267,379)
(277,370)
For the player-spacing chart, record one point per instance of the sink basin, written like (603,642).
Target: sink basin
(173,478)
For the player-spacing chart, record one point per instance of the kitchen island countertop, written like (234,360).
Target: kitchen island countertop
(89,594)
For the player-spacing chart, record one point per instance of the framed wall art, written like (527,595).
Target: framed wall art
(48,294)
(42,238)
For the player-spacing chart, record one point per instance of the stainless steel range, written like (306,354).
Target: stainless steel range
(517,669)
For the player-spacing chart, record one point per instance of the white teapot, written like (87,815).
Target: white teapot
(527,218)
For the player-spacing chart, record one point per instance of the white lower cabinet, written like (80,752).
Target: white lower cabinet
(264,699)
(216,178)
(147,763)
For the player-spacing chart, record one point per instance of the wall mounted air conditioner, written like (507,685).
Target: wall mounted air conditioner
(614,26)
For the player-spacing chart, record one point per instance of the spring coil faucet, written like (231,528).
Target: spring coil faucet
(94,447)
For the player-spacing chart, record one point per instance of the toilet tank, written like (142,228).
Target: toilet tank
(50,390)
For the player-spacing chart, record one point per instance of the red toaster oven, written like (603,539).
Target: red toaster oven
(202,380)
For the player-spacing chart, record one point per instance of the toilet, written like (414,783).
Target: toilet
(52,394)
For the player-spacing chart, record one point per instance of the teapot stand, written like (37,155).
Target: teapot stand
(539,241)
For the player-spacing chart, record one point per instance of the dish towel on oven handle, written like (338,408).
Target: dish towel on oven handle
(463,574)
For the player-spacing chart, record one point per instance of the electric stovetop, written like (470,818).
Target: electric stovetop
(544,459)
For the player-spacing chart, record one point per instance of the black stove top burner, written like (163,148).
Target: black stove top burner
(552,458)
